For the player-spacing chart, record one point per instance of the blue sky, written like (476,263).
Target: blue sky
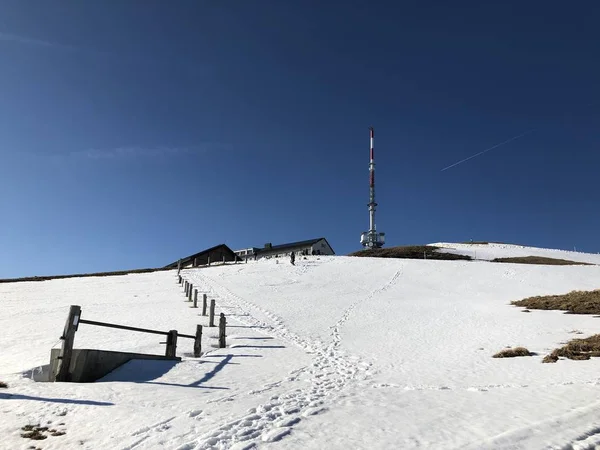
(136,132)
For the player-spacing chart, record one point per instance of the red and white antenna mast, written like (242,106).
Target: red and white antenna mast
(371,238)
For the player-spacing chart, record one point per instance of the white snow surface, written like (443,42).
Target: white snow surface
(334,352)
(491,250)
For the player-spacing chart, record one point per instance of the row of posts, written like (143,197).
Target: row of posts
(192,295)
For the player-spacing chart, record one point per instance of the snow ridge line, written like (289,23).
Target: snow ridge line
(329,373)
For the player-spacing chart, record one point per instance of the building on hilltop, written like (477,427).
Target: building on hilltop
(217,254)
(318,246)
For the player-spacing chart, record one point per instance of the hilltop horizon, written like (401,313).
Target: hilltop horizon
(463,354)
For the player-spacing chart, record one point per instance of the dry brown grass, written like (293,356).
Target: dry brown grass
(577,349)
(575,302)
(3,385)
(551,358)
(540,260)
(513,352)
(81,275)
(34,432)
(410,252)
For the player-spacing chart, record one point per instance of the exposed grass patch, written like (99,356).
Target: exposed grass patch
(577,349)
(476,242)
(34,432)
(34,435)
(81,275)
(410,252)
(540,260)
(575,302)
(3,385)
(551,358)
(513,352)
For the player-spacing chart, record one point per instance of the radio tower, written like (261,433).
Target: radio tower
(371,238)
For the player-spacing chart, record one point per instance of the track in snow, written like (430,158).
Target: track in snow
(329,373)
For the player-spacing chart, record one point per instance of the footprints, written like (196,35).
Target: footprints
(194,413)
(276,434)
(313,411)
(160,426)
(243,446)
(589,439)
(145,433)
(328,374)
(228,398)
(335,334)
(275,419)
(269,422)
(290,422)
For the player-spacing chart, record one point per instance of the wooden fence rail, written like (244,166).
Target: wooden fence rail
(74,320)
(122,327)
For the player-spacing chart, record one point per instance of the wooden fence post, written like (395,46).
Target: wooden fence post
(198,342)
(180,279)
(211,319)
(186,287)
(222,326)
(190,292)
(64,357)
(209,260)
(195,262)
(195,298)
(171,344)
(204,304)
(178,266)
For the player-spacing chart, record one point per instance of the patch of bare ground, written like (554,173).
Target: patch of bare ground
(81,275)
(542,260)
(576,349)
(513,352)
(36,432)
(575,302)
(410,252)
(3,385)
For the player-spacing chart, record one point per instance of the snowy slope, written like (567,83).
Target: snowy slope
(492,250)
(335,352)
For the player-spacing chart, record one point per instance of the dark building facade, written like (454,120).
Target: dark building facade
(217,254)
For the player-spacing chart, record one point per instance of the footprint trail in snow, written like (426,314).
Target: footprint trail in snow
(329,373)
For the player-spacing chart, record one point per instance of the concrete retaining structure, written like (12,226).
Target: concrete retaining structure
(89,365)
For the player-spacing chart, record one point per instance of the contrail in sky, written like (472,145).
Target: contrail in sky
(488,149)
(26,40)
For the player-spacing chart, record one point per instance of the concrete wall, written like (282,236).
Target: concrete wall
(90,365)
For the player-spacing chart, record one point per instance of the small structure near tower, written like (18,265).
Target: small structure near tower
(371,238)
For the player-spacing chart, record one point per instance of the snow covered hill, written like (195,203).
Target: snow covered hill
(493,250)
(335,352)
